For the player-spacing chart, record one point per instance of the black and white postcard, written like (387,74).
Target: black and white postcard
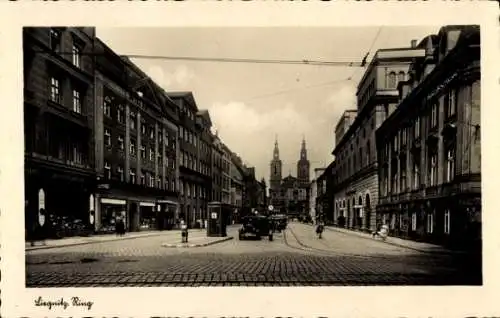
(248,159)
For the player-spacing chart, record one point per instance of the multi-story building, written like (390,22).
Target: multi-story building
(314,186)
(275,179)
(226,175)
(195,181)
(237,172)
(135,146)
(325,198)
(429,149)
(58,125)
(344,123)
(217,168)
(356,186)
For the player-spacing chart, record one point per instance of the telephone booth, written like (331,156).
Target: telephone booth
(217,219)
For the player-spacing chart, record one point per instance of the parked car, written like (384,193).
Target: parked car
(255,226)
(280,222)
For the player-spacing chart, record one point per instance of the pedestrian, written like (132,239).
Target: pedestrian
(319,228)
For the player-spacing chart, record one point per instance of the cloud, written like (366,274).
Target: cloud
(181,76)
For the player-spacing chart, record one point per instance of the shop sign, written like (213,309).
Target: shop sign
(91,208)
(41,207)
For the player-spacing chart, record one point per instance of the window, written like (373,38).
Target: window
(416,132)
(152,181)
(107,170)
(392,80)
(404,136)
(368,153)
(120,142)
(119,169)
(403,173)
(433,169)
(77,102)
(107,137)
(450,164)
(76,53)
(143,178)
(107,106)
(143,128)
(143,152)
(151,154)
(158,182)
(133,118)
(447,221)
(414,221)
(133,179)
(160,138)
(401,76)
(120,114)
(416,172)
(434,115)
(451,102)
(430,223)
(55,90)
(132,147)
(55,39)
(151,132)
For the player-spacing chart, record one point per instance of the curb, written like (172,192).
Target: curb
(187,245)
(348,232)
(43,247)
(399,245)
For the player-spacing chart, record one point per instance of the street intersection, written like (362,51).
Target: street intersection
(296,257)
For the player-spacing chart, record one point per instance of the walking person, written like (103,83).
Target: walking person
(320,227)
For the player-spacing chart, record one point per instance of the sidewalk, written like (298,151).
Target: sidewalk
(417,246)
(98,238)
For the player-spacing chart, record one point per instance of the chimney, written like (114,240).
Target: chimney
(413,44)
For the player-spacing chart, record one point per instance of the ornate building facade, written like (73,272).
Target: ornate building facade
(290,195)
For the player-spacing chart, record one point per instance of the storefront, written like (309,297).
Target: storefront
(109,210)
(148,216)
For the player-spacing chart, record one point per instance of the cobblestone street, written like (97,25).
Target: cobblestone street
(294,257)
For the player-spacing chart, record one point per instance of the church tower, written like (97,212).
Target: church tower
(303,164)
(276,165)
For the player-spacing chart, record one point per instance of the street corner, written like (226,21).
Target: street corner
(200,244)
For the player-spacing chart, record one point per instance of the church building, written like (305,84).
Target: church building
(290,195)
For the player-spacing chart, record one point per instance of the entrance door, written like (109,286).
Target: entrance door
(132,216)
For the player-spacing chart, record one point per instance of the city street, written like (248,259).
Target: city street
(294,258)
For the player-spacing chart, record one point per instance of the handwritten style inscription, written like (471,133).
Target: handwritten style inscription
(74,302)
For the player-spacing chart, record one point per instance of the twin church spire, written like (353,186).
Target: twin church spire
(302,165)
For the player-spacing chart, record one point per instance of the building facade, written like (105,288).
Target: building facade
(275,178)
(315,186)
(217,168)
(430,147)
(58,127)
(356,179)
(135,147)
(195,181)
(226,175)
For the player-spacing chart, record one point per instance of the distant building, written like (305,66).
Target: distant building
(316,186)
(290,195)
(429,148)
(344,123)
(356,186)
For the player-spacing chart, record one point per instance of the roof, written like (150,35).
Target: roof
(205,114)
(187,96)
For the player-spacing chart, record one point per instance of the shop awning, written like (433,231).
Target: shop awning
(146,204)
(113,201)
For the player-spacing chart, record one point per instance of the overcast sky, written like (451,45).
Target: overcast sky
(244,100)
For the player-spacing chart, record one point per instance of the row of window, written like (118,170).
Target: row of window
(191,162)
(399,181)
(56,95)
(429,222)
(147,178)
(55,38)
(192,190)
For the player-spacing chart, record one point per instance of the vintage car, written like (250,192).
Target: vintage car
(255,226)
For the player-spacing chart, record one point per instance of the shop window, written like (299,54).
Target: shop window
(430,223)
(414,221)
(447,221)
